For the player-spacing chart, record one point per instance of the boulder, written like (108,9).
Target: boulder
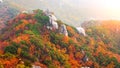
(35,66)
(81,30)
(24,11)
(63,30)
(47,12)
(85,58)
(52,20)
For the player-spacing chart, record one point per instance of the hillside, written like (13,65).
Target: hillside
(60,8)
(7,12)
(108,29)
(28,41)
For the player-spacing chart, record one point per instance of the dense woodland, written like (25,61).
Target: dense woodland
(25,41)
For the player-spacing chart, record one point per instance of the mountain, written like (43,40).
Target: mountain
(108,31)
(7,12)
(110,26)
(58,7)
(31,40)
(74,12)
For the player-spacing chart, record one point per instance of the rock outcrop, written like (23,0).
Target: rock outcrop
(85,58)
(53,23)
(81,30)
(63,30)
(52,20)
(24,12)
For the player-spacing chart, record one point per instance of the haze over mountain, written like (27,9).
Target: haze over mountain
(75,11)
(37,39)
(7,12)
(60,8)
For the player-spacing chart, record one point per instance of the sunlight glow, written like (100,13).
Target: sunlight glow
(106,9)
(111,3)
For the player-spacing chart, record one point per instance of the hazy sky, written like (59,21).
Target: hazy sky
(100,9)
(76,11)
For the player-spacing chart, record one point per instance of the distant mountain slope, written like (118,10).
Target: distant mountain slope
(108,31)
(7,12)
(60,8)
(27,41)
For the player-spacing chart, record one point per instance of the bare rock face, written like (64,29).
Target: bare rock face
(47,12)
(63,30)
(81,30)
(24,12)
(53,23)
(35,66)
(52,20)
(85,58)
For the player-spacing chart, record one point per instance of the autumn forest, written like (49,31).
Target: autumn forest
(37,39)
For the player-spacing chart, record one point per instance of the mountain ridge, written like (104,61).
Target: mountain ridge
(27,41)
(7,12)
